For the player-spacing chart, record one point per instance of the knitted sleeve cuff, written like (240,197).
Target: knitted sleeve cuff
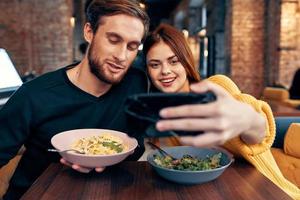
(265,110)
(236,145)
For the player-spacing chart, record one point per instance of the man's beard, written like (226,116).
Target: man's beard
(97,68)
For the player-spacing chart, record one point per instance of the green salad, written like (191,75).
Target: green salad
(189,163)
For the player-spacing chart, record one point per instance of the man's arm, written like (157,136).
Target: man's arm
(15,118)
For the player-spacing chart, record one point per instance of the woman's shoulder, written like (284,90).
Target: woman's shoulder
(225,82)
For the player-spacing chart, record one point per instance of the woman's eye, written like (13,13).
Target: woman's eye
(154,65)
(174,62)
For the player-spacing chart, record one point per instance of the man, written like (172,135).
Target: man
(90,94)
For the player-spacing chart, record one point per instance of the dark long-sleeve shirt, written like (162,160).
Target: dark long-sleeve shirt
(51,104)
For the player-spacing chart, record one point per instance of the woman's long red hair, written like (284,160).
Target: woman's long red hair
(176,41)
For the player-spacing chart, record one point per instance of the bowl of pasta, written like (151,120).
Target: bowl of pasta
(94,147)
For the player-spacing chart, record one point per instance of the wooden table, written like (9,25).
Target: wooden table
(282,110)
(136,180)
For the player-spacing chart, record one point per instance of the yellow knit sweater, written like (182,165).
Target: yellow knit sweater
(258,154)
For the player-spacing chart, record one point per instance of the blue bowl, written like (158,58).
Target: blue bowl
(190,177)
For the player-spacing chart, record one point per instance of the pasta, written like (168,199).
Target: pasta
(105,144)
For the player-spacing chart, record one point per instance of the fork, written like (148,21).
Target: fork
(62,151)
(163,152)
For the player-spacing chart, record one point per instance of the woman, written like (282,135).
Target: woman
(250,134)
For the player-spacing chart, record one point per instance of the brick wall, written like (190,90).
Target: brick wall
(37,34)
(289,43)
(246,44)
(262,42)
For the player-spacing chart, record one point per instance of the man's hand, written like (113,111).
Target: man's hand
(80,168)
(221,120)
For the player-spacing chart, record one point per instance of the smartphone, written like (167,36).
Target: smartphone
(145,107)
(157,101)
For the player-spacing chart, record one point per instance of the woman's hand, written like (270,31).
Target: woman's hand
(221,120)
(80,168)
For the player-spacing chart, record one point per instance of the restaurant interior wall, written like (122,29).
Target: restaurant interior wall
(261,42)
(289,41)
(235,36)
(37,34)
(257,46)
(245,44)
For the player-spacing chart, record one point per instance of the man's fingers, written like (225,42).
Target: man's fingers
(81,169)
(63,161)
(99,169)
(75,167)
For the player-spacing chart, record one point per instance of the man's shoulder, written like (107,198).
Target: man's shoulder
(45,82)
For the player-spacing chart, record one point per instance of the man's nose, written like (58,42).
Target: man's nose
(122,54)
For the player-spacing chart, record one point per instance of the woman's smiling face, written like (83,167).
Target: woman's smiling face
(165,70)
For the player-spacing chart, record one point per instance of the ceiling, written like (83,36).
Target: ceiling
(160,9)
(156,9)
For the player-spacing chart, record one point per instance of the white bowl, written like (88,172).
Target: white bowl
(65,140)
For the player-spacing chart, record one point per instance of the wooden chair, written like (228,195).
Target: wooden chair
(7,171)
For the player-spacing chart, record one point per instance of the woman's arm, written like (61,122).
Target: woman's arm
(233,114)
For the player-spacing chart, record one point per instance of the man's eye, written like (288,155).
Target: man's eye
(113,40)
(133,47)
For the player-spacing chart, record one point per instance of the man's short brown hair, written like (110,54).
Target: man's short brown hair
(99,8)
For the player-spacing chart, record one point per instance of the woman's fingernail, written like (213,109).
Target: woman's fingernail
(75,167)
(159,126)
(163,113)
(193,87)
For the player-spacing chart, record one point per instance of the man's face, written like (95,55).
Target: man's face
(114,47)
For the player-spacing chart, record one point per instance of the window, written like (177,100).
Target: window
(9,77)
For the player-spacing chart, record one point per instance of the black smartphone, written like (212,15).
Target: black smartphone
(146,107)
(157,101)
